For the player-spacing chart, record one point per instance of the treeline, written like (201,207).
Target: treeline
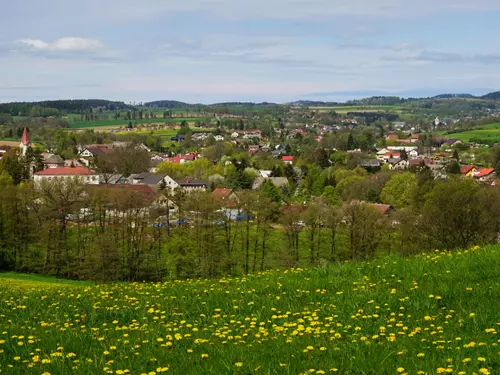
(68,229)
(49,107)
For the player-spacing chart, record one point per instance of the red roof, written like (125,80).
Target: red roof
(395,155)
(464,169)
(288,158)
(221,193)
(484,172)
(25,139)
(68,171)
(383,208)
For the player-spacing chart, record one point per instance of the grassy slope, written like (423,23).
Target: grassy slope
(490,132)
(424,314)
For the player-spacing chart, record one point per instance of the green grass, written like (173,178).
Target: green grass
(359,108)
(428,314)
(17,279)
(489,132)
(93,124)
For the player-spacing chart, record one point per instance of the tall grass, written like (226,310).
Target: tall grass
(429,314)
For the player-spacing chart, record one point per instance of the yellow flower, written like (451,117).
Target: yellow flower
(46,373)
(484,371)
(481,359)
(401,369)
(420,355)
(238,364)
(204,355)
(17,358)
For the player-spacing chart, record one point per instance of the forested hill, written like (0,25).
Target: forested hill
(167,104)
(64,106)
(492,96)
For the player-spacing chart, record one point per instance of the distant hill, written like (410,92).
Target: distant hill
(169,104)
(454,96)
(63,106)
(243,104)
(492,96)
(314,103)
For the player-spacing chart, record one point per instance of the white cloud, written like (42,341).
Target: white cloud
(70,44)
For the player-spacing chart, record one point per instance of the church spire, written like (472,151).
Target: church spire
(25,142)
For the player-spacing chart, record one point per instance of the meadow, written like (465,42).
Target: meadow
(489,132)
(434,313)
(124,123)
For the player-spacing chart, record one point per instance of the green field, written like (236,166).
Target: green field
(358,108)
(435,313)
(124,123)
(166,134)
(489,132)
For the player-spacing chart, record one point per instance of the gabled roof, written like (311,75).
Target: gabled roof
(482,172)
(288,158)
(464,169)
(221,193)
(383,208)
(54,159)
(153,179)
(76,171)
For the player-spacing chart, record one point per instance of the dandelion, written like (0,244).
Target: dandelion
(238,364)
(204,355)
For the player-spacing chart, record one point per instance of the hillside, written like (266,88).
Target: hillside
(429,314)
(492,96)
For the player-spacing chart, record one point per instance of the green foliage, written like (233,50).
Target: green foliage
(270,191)
(398,190)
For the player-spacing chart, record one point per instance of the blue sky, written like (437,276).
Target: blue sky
(230,50)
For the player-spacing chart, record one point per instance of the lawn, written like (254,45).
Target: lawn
(433,313)
(489,132)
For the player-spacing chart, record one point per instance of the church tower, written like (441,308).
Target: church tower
(25,142)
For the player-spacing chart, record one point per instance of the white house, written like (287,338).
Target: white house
(397,164)
(85,175)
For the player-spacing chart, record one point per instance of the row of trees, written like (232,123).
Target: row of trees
(114,233)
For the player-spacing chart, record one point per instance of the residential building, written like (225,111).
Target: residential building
(86,175)
(288,159)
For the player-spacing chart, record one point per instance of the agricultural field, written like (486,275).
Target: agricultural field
(489,132)
(124,123)
(434,313)
(364,108)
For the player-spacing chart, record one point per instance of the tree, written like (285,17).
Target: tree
(270,191)
(453,167)
(350,142)
(398,190)
(497,169)
(456,215)
(455,154)
(365,226)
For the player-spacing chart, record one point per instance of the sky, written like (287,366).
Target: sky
(208,51)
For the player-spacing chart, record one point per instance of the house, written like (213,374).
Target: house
(369,163)
(468,170)
(438,171)
(226,196)
(154,166)
(189,184)
(485,174)
(181,159)
(390,155)
(264,173)
(253,149)
(413,154)
(384,209)
(418,162)
(92,152)
(53,161)
(452,141)
(74,163)
(84,174)
(414,138)
(219,138)
(156,181)
(397,163)
(288,159)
